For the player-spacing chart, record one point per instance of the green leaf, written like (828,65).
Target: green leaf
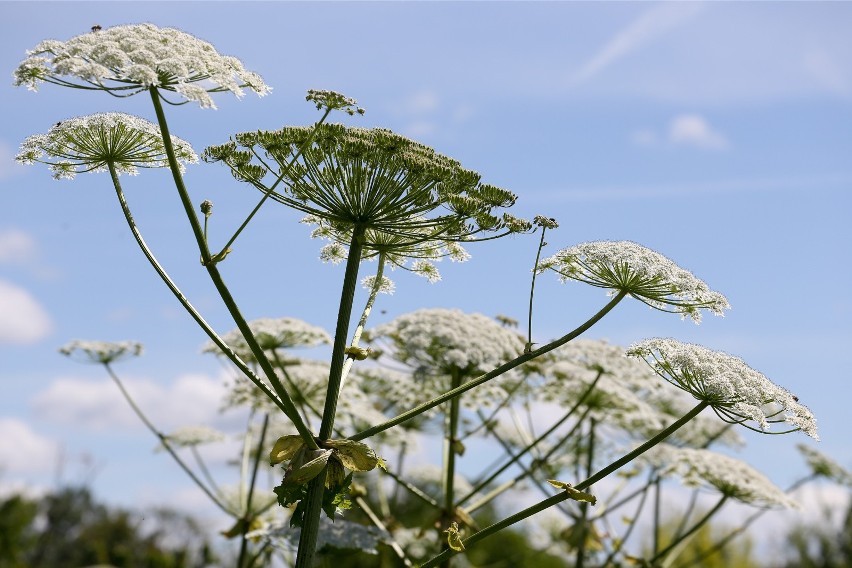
(285,448)
(303,473)
(354,455)
(454,539)
(574,494)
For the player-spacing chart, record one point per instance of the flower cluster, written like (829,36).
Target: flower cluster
(734,390)
(125,60)
(94,142)
(731,477)
(331,100)
(102,352)
(648,276)
(442,341)
(194,436)
(823,466)
(397,194)
(272,334)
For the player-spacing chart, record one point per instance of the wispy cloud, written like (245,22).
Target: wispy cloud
(690,188)
(694,130)
(650,25)
(24,451)
(22,318)
(16,246)
(190,400)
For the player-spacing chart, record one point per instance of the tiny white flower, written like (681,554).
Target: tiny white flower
(128,59)
(731,477)
(101,351)
(643,273)
(385,287)
(91,143)
(735,391)
(823,466)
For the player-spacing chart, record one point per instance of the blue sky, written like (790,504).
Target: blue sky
(718,134)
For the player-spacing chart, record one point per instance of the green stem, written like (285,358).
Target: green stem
(516,362)
(657,499)
(515,457)
(721,543)
(620,543)
(450,440)
(316,487)
(541,245)
(564,496)
(691,531)
(271,189)
(286,405)
(235,359)
(247,515)
(164,440)
(365,314)
(584,507)
(378,523)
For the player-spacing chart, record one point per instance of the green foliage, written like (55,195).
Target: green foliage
(69,528)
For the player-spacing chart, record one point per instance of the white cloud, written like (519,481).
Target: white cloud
(420,102)
(16,246)
(24,451)
(190,400)
(650,25)
(694,130)
(22,318)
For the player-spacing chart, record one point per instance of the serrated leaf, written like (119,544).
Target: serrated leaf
(354,455)
(285,448)
(308,470)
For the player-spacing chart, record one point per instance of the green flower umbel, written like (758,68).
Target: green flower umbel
(399,194)
(93,142)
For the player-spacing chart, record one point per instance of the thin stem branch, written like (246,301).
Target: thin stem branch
(247,514)
(541,245)
(287,405)
(701,522)
(516,362)
(565,495)
(450,451)
(165,441)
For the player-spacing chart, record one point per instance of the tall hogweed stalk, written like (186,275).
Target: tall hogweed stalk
(372,194)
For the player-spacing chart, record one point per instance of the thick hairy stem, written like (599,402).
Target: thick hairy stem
(473,383)
(565,495)
(286,405)
(316,487)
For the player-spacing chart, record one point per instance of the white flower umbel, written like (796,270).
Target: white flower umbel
(272,334)
(390,190)
(102,352)
(442,340)
(823,466)
(194,436)
(125,60)
(91,143)
(648,276)
(731,477)
(735,391)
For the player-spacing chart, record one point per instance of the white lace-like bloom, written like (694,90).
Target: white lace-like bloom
(272,334)
(735,391)
(443,341)
(101,352)
(126,60)
(730,476)
(334,534)
(90,143)
(643,273)
(823,466)
(194,436)
(386,287)
(397,250)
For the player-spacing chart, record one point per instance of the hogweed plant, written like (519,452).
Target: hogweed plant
(341,430)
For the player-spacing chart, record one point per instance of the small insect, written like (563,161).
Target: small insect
(57,124)
(96,28)
(796,398)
